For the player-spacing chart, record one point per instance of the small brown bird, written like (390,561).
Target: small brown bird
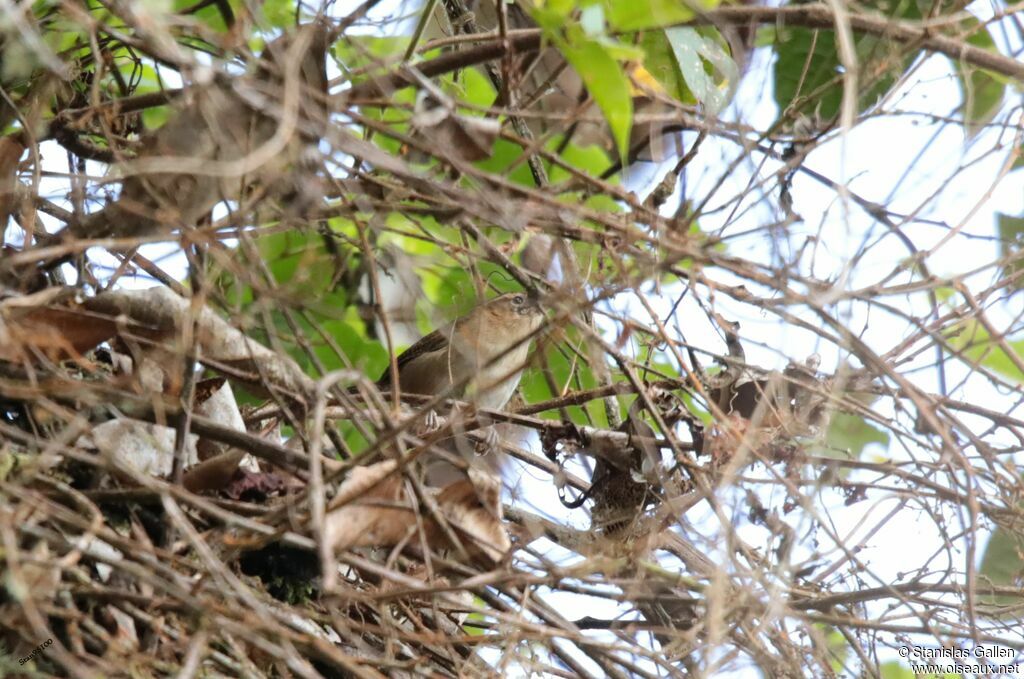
(477,358)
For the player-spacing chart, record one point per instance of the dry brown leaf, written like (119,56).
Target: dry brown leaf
(33,326)
(473,508)
(364,521)
(377,512)
(214,473)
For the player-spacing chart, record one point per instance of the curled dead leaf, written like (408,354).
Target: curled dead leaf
(375,510)
(48,324)
(214,473)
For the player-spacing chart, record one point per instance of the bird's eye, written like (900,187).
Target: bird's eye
(518,300)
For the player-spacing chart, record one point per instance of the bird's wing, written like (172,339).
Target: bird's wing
(435,341)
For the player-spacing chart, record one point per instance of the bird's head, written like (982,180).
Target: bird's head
(516,308)
(507,319)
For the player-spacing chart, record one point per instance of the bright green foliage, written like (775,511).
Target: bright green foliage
(808,72)
(607,83)
(350,334)
(359,51)
(503,155)
(568,372)
(1002,565)
(214,18)
(598,59)
(278,13)
(983,90)
(695,54)
(66,36)
(473,86)
(627,15)
(895,670)
(848,436)
(300,266)
(149,81)
(303,280)
(1011,244)
(977,346)
(661,62)
(590,159)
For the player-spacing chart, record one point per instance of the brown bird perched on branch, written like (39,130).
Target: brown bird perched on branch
(477,358)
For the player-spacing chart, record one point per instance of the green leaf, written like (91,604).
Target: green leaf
(976,344)
(477,88)
(895,670)
(983,91)
(559,8)
(637,15)
(368,53)
(564,373)
(660,61)
(944,293)
(607,83)
(806,70)
(692,50)
(808,74)
(155,117)
(603,203)
(1011,233)
(278,13)
(589,159)
(149,81)
(452,285)
(1011,245)
(621,51)
(1003,564)
(472,630)
(210,14)
(364,354)
(64,36)
(766,36)
(548,18)
(852,434)
(503,155)
(303,272)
